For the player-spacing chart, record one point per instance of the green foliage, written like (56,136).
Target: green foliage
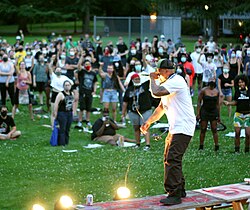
(190,27)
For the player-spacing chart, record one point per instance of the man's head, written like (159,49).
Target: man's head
(165,68)
(4,111)
(136,79)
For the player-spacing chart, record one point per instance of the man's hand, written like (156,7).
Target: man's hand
(144,128)
(154,75)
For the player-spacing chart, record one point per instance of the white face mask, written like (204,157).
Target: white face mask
(183,59)
(160,50)
(225,70)
(198,50)
(133,52)
(178,71)
(136,84)
(71,53)
(116,64)
(233,55)
(138,68)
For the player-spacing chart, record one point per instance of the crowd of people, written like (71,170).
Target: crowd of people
(46,66)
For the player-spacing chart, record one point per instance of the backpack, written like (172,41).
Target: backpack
(54,135)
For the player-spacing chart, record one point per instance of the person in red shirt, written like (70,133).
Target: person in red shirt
(189,70)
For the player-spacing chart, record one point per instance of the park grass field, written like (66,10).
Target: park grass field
(32,171)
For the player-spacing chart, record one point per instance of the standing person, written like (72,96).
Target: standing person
(242,113)
(209,68)
(197,67)
(6,79)
(63,112)
(23,82)
(122,50)
(71,66)
(87,88)
(111,83)
(7,126)
(225,85)
(208,110)
(40,79)
(234,64)
(137,102)
(57,81)
(176,103)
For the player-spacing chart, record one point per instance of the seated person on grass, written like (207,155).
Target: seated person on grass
(7,126)
(104,130)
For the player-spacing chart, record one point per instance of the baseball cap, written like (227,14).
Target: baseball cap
(162,36)
(135,76)
(165,64)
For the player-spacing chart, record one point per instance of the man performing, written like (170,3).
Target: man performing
(177,105)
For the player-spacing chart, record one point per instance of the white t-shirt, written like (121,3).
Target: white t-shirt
(197,67)
(57,82)
(209,71)
(178,106)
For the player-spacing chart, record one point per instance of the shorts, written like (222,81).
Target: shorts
(85,101)
(198,76)
(16,97)
(227,92)
(40,86)
(241,120)
(53,96)
(136,119)
(109,96)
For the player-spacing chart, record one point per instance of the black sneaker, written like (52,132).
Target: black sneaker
(171,200)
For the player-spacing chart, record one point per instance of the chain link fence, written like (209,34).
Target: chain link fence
(137,27)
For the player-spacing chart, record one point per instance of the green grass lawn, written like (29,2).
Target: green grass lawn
(34,172)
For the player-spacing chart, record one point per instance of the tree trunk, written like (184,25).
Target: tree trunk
(86,19)
(215,25)
(23,25)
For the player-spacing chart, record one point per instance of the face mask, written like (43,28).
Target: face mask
(248,52)
(71,53)
(160,50)
(44,51)
(198,50)
(212,84)
(216,57)
(4,113)
(209,60)
(28,53)
(233,55)
(136,84)
(87,68)
(133,52)
(138,67)
(106,52)
(116,64)
(63,57)
(183,59)
(225,71)
(58,73)
(109,71)
(5,59)
(178,71)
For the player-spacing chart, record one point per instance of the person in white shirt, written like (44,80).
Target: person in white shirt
(197,67)
(176,103)
(209,68)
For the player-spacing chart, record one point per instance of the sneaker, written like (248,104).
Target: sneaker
(89,124)
(79,124)
(146,148)
(137,146)
(171,200)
